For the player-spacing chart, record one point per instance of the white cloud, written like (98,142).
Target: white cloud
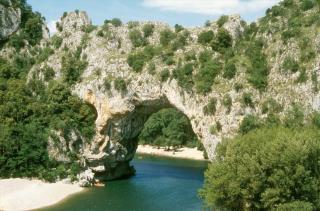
(52,27)
(211,7)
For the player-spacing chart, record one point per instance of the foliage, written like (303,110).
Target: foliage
(168,128)
(148,30)
(211,107)
(136,38)
(136,61)
(178,28)
(164,75)
(249,122)
(230,69)
(120,85)
(56,41)
(166,36)
(290,64)
(294,117)
(227,102)
(222,20)
(184,76)
(116,22)
(222,41)
(48,73)
(247,100)
(266,169)
(258,72)
(72,67)
(205,37)
(206,75)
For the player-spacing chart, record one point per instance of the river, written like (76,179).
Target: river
(163,184)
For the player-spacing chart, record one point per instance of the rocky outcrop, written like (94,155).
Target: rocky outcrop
(10,19)
(121,114)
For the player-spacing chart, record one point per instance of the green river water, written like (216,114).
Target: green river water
(159,184)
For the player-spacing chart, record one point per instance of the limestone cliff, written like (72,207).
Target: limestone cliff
(10,18)
(121,113)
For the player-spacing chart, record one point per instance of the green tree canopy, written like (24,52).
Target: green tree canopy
(266,169)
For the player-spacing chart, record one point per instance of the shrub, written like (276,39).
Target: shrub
(238,87)
(179,42)
(227,102)
(222,41)
(290,33)
(152,68)
(190,56)
(272,168)
(56,41)
(211,107)
(72,68)
(116,22)
(120,85)
(247,100)
(258,71)
(178,28)
(206,75)
(33,30)
(289,64)
(271,106)
(294,117)
(205,56)
(184,76)
(307,4)
(107,84)
(222,20)
(303,77)
(48,73)
(148,30)
(250,122)
(166,36)
(133,24)
(136,38)
(205,37)
(136,61)
(164,75)
(230,69)
(314,78)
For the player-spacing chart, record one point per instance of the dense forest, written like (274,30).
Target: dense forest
(30,111)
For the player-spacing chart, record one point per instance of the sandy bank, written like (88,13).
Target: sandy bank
(188,153)
(24,194)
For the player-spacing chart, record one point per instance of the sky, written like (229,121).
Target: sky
(185,12)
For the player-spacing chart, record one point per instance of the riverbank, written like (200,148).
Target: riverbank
(187,153)
(24,194)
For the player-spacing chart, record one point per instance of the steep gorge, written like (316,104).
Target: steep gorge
(122,112)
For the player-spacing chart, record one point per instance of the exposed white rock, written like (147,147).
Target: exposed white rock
(10,19)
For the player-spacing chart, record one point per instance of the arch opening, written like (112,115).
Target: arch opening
(123,138)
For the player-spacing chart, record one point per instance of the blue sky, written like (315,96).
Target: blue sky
(185,12)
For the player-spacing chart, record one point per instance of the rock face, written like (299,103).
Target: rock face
(122,114)
(10,19)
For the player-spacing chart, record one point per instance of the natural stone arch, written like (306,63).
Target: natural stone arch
(115,143)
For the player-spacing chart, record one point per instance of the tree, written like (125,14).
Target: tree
(266,169)
(230,69)
(205,37)
(168,128)
(166,36)
(222,41)
(148,30)
(136,38)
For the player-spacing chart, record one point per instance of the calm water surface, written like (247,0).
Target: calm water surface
(159,184)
